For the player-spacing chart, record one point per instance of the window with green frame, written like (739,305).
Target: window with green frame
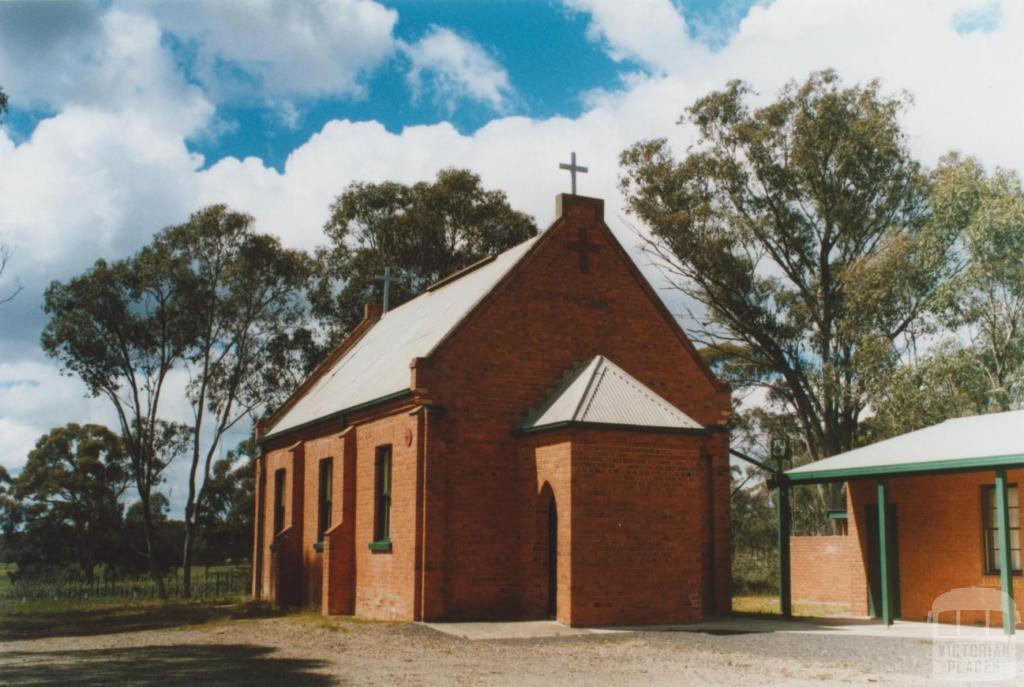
(382,517)
(991,528)
(279,477)
(323,522)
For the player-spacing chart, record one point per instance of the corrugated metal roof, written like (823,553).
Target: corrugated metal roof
(959,443)
(378,364)
(601,392)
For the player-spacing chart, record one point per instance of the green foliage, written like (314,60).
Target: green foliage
(10,517)
(243,294)
(167,536)
(978,365)
(121,328)
(801,229)
(423,232)
(754,555)
(986,299)
(949,381)
(76,477)
(226,521)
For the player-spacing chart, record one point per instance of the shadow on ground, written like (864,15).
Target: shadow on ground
(40,623)
(167,666)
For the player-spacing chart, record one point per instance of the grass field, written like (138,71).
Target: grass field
(207,581)
(79,617)
(769,605)
(5,580)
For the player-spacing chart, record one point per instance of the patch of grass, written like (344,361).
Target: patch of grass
(215,581)
(322,622)
(769,606)
(37,619)
(334,623)
(5,578)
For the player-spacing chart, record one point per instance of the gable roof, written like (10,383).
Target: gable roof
(602,393)
(372,364)
(377,366)
(965,443)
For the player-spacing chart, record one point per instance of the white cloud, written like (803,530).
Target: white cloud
(277,49)
(651,32)
(33,398)
(456,69)
(89,184)
(59,55)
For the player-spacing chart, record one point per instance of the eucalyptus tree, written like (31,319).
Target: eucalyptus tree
(244,293)
(985,302)
(422,232)
(10,516)
(121,327)
(977,365)
(800,230)
(78,474)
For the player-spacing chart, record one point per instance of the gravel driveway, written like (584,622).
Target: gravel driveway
(305,649)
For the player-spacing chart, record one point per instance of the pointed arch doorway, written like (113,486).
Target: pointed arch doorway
(552,571)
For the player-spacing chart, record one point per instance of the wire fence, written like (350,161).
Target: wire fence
(222,582)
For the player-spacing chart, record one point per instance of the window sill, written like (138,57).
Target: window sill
(382,546)
(319,546)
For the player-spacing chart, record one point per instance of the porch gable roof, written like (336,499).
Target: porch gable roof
(602,393)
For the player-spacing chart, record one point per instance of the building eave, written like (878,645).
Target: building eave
(906,469)
(341,416)
(606,426)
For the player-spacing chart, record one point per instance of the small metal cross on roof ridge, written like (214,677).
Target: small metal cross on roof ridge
(387,279)
(573,168)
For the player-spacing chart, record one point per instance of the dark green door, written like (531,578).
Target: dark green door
(552,559)
(874,575)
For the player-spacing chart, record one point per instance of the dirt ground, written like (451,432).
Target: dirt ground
(222,646)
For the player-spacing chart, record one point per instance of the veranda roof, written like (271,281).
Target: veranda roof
(958,445)
(602,393)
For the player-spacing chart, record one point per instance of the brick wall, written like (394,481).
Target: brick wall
(544,319)
(385,581)
(546,462)
(824,568)
(939,535)
(338,572)
(279,459)
(640,528)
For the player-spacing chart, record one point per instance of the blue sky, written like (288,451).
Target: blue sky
(540,43)
(549,76)
(126,116)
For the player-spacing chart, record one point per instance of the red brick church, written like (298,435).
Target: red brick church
(532,437)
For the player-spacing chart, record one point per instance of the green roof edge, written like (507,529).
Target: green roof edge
(339,415)
(905,469)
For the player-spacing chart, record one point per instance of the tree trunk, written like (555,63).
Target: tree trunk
(147,528)
(86,560)
(186,559)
